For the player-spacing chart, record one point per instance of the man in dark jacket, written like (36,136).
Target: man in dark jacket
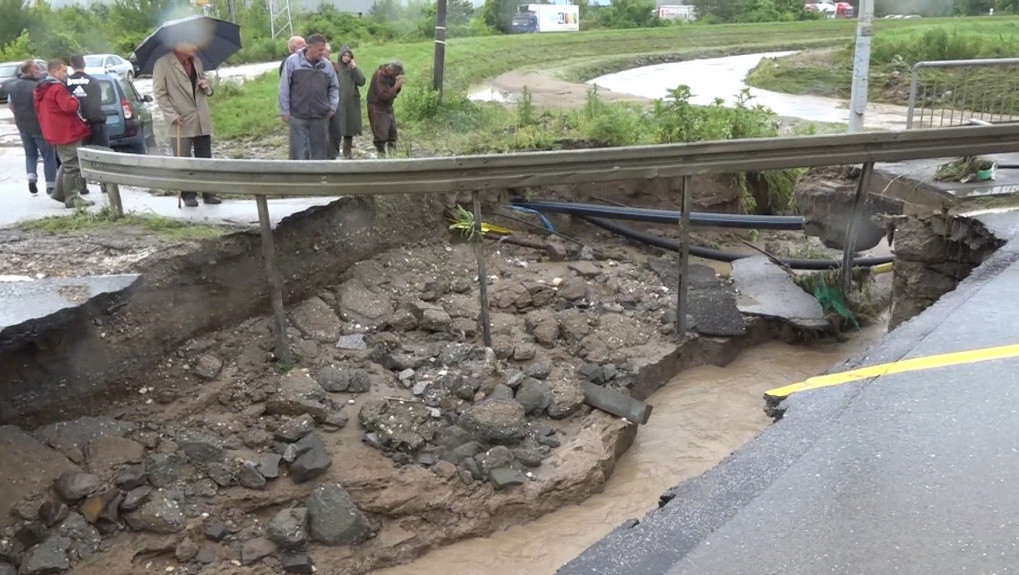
(64,129)
(20,99)
(90,97)
(86,89)
(384,88)
(309,94)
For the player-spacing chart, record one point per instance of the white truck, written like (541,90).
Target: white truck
(546,18)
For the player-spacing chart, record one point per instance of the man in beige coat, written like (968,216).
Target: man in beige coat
(182,91)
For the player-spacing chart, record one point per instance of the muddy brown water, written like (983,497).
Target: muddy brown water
(700,416)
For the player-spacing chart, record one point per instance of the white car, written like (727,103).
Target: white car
(109,64)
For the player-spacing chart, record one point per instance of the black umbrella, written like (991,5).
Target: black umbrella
(216,40)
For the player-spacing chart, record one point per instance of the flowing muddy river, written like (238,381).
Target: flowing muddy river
(700,417)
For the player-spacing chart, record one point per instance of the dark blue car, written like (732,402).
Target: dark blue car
(128,121)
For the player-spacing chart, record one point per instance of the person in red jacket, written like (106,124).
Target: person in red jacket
(64,129)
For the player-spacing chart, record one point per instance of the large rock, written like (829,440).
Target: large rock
(80,432)
(312,458)
(107,453)
(289,528)
(47,557)
(298,394)
(317,320)
(567,397)
(74,485)
(200,447)
(499,421)
(159,515)
(18,482)
(295,428)
(335,380)
(333,517)
(360,305)
(535,395)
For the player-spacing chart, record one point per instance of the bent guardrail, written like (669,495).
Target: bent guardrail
(477,174)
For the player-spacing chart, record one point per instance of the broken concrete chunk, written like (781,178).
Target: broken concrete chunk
(298,394)
(249,477)
(316,320)
(159,514)
(334,518)
(292,429)
(567,398)
(296,562)
(534,395)
(215,530)
(312,460)
(105,454)
(200,447)
(208,366)
(506,477)
(47,557)
(499,421)
(269,465)
(289,528)
(353,341)
(135,498)
(254,549)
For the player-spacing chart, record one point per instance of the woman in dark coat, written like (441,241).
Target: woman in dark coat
(349,113)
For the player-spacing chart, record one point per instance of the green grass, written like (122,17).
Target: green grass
(163,227)
(894,51)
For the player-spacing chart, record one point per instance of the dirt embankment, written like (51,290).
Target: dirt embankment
(396,431)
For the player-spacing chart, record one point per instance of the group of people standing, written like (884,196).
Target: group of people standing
(320,100)
(56,113)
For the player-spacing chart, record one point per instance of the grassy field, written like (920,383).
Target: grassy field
(894,52)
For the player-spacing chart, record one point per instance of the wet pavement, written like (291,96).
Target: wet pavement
(722,78)
(901,473)
(20,205)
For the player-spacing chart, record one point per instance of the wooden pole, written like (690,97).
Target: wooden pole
(682,306)
(849,246)
(113,193)
(439,61)
(479,253)
(275,284)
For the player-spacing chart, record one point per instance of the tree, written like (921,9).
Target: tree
(14,21)
(498,14)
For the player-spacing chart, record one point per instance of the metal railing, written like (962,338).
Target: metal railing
(945,93)
(677,162)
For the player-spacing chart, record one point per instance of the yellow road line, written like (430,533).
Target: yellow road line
(915,364)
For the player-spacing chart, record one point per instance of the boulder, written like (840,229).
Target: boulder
(290,430)
(499,421)
(75,485)
(289,528)
(159,514)
(47,557)
(298,394)
(312,459)
(316,320)
(333,517)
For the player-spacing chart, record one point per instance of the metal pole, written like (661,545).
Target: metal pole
(849,247)
(683,184)
(479,253)
(861,66)
(113,193)
(913,80)
(440,45)
(279,320)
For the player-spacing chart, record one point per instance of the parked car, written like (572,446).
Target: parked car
(8,75)
(128,120)
(108,64)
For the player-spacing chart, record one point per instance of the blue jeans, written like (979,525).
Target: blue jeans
(35,146)
(309,139)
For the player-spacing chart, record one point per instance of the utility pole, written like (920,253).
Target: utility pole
(439,63)
(861,65)
(231,8)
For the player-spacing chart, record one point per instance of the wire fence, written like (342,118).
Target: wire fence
(945,93)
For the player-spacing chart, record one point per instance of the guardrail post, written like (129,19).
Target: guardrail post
(479,253)
(275,284)
(683,184)
(914,78)
(113,193)
(849,247)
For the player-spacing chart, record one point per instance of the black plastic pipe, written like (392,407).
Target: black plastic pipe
(723,256)
(741,221)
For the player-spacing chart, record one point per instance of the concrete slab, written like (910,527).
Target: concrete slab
(765,289)
(712,305)
(28,307)
(915,173)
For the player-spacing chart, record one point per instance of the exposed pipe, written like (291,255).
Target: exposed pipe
(741,221)
(723,256)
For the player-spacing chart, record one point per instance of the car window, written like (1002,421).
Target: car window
(118,60)
(109,61)
(94,61)
(109,93)
(128,89)
(8,71)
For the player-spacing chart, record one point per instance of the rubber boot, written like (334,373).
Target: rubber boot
(348,145)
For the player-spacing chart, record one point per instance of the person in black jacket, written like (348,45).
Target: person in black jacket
(27,122)
(86,89)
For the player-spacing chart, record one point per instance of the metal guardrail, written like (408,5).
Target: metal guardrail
(476,174)
(967,92)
